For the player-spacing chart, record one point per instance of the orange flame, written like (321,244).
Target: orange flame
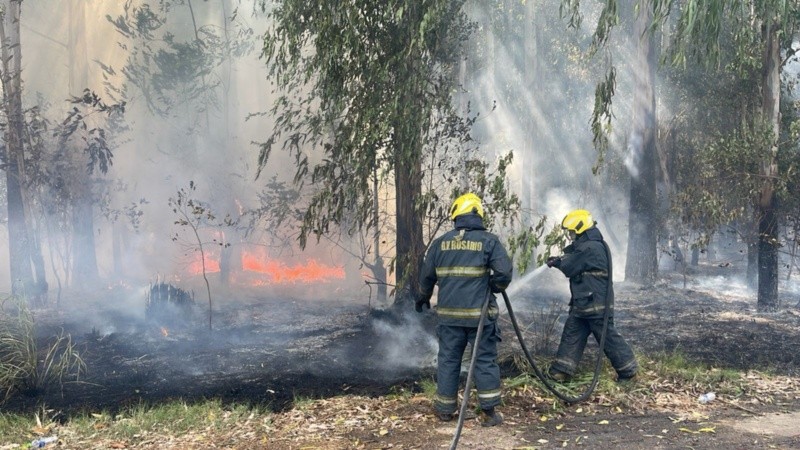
(276,272)
(279,272)
(164,331)
(196,266)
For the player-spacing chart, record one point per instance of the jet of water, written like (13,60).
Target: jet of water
(516,285)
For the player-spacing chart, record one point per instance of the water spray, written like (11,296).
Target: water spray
(518,284)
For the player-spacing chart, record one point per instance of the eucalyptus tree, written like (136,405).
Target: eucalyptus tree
(367,85)
(641,262)
(85,141)
(763,34)
(21,237)
(708,157)
(643,223)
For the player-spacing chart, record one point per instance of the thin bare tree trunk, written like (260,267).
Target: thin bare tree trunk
(378,268)
(18,233)
(767,219)
(532,83)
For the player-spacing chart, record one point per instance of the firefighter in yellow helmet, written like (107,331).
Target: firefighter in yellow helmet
(469,264)
(587,264)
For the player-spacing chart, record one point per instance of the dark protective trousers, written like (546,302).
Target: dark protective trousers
(452,343)
(573,341)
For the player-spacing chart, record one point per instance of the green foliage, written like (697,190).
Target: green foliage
(678,367)
(572,10)
(400,392)
(302,402)
(25,366)
(729,181)
(523,244)
(92,137)
(367,118)
(172,419)
(605,23)
(602,115)
(15,427)
(428,386)
(698,32)
(701,28)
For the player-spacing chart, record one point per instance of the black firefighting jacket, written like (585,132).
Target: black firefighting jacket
(585,262)
(466,262)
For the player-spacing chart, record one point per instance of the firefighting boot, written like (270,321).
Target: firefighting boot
(626,379)
(491,418)
(557,375)
(444,417)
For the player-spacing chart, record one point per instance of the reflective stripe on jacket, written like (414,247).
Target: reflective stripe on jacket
(586,263)
(464,262)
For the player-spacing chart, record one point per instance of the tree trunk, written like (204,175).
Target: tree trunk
(642,257)
(410,246)
(378,268)
(84,249)
(410,121)
(532,81)
(22,280)
(711,247)
(117,246)
(767,219)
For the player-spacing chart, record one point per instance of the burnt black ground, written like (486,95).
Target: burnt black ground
(268,351)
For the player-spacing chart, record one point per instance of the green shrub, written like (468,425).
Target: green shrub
(24,365)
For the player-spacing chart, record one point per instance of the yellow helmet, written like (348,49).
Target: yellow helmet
(578,221)
(467,203)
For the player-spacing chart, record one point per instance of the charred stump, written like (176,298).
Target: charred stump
(168,305)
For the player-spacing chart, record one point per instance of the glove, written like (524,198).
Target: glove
(554,261)
(495,289)
(424,300)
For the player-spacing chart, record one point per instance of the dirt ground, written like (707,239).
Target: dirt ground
(339,374)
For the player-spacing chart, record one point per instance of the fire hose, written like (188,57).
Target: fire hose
(463,411)
(539,374)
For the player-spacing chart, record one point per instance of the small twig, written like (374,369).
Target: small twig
(741,407)
(369,298)
(369,285)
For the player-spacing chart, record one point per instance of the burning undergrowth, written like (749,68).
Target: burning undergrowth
(153,346)
(269,349)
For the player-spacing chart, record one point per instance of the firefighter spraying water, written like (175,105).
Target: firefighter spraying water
(470,265)
(587,264)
